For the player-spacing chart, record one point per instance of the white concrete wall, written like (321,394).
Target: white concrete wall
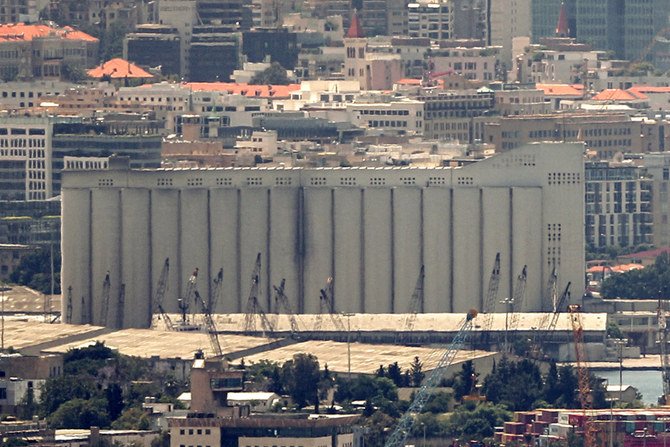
(371,229)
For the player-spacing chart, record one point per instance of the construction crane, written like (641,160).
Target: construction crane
(434,377)
(665,355)
(517,299)
(490,299)
(417,303)
(327,304)
(583,376)
(282,303)
(68,308)
(210,327)
(253,306)
(121,305)
(104,300)
(161,288)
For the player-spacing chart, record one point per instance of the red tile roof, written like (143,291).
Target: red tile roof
(616,94)
(21,31)
(560,89)
(637,89)
(355,29)
(118,68)
(253,91)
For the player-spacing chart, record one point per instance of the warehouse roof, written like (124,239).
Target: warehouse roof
(365,358)
(429,322)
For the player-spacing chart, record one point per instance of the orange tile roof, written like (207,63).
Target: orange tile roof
(637,89)
(118,68)
(20,31)
(560,90)
(615,94)
(253,91)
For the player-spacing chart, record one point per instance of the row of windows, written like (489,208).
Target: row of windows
(387,112)
(198,431)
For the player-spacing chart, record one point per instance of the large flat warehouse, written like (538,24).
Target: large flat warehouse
(371,229)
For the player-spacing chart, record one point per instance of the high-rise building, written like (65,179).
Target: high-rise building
(153,45)
(508,19)
(545,14)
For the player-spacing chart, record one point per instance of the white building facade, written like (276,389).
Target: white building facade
(370,229)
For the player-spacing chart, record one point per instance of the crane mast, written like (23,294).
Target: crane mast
(184,304)
(490,299)
(549,321)
(68,309)
(583,377)
(399,435)
(215,292)
(327,304)
(282,302)
(253,306)
(665,355)
(104,300)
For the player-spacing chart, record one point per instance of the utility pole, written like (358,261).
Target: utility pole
(348,315)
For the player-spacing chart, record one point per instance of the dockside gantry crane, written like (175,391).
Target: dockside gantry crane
(416,305)
(253,306)
(327,304)
(548,323)
(282,303)
(209,325)
(161,288)
(432,380)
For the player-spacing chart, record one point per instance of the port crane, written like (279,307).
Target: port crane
(399,435)
(416,305)
(548,323)
(210,326)
(161,288)
(517,299)
(282,303)
(327,304)
(184,303)
(104,300)
(215,291)
(583,376)
(490,299)
(253,306)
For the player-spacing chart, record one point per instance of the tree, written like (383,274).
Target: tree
(416,372)
(275,74)
(514,384)
(132,419)
(59,390)
(300,379)
(394,372)
(80,413)
(72,72)
(651,282)
(551,391)
(34,271)
(114,397)
(476,422)
(463,380)
(377,429)
(438,403)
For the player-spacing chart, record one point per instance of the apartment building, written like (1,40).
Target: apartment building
(25,158)
(431,19)
(520,101)
(20,94)
(153,45)
(401,117)
(604,133)
(657,166)
(41,50)
(475,64)
(448,115)
(13,11)
(618,205)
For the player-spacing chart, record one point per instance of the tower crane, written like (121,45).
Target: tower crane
(416,305)
(665,355)
(253,306)
(583,377)
(161,288)
(327,304)
(399,435)
(491,298)
(282,303)
(68,308)
(210,327)
(517,298)
(104,300)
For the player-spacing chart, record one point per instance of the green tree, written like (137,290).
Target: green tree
(651,282)
(80,413)
(568,386)
(59,390)
(132,419)
(416,372)
(516,385)
(438,403)
(551,390)
(300,379)
(114,397)
(377,429)
(34,271)
(73,72)
(275,74)
(394,372)
(464,380)
(476,422)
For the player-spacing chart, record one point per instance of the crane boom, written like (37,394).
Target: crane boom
(518,297)
(549,321)
(491,297)
(583,377)
(253,306)
(327,302)
(161,288)
(282,302)
(104,300)
(417,302)
(215,292)
(399,435)
(210,327)
(68,309)
(665,355)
